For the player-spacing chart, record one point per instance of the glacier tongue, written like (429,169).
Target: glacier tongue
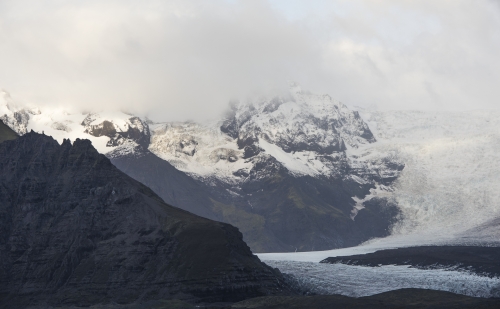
(359,281)
(450,183)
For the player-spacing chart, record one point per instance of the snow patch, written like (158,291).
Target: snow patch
(287,159)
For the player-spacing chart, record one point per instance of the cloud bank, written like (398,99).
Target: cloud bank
(178,60)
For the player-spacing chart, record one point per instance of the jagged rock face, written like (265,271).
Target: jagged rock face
(76,230)
(17,119)
(131,129)
(308,134)
(301,122)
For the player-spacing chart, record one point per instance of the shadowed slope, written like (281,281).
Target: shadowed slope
(173,186)
(76,230)
(6,133)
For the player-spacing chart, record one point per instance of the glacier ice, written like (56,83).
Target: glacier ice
(358,281)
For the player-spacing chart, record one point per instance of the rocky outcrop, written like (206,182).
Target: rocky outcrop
(133,129)
(403,298)
(76,230)
(480,260)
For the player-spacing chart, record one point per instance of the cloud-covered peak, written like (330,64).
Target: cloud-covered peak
(186,59)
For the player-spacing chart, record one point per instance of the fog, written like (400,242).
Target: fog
(179,60)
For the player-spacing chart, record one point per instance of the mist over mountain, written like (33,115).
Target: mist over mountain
(181,60)
(148,149)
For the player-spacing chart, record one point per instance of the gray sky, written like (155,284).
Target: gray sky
(177,60)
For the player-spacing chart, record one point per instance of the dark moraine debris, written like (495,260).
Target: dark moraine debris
(481,260)
(74,230)
(404,298)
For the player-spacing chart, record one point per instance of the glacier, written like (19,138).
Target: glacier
(448,195)
(449,186)
(358,281)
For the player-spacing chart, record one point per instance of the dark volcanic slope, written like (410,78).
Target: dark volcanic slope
(404,298)
(6,133)
(482,260)
(173,186)
(76,230)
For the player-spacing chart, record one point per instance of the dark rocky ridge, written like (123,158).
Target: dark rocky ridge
(481,260)
(76,230)
(404,298)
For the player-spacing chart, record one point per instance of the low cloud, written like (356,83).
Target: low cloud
(177,60)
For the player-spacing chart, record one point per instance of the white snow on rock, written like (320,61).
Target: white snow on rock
(306,133)
(12,114)
(61,123)
(291,162)
(201,150)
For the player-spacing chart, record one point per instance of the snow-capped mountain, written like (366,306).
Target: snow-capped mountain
(106,130)
(307,134)
(293,172)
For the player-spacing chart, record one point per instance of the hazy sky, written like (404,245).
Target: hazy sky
(177,60)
